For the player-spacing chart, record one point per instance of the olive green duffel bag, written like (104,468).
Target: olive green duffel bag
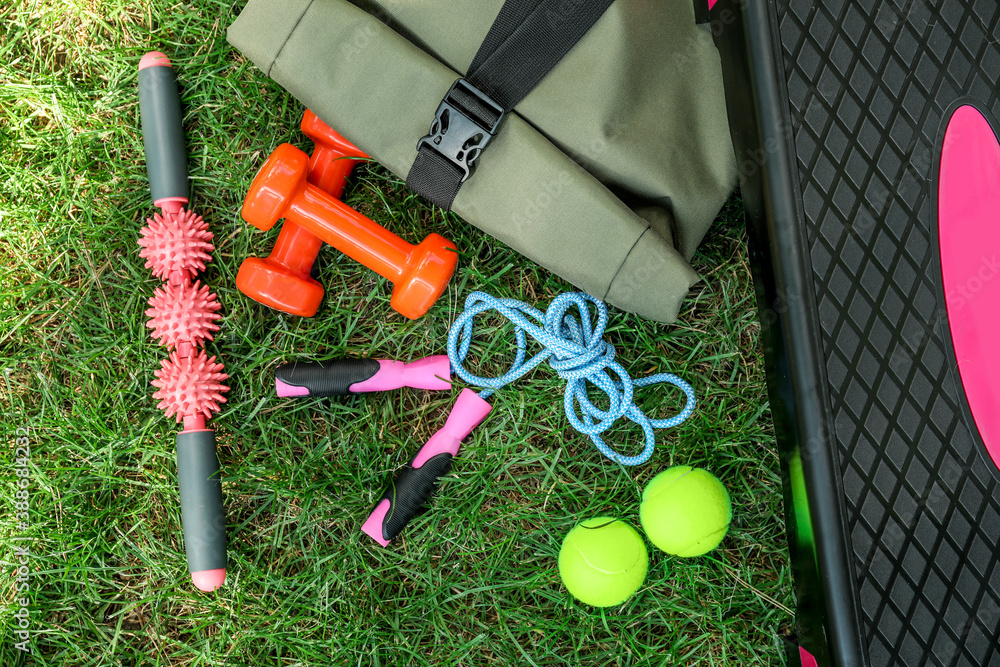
(607,172)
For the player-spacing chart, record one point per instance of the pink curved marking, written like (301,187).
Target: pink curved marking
(154,59)
(969,231)
(285,390)
(373,526)
(807,658)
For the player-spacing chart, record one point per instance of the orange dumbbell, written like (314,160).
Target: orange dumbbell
(282,280)
(420,273)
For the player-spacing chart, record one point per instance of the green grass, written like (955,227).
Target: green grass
(473,581)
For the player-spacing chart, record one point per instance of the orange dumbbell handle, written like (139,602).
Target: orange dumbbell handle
(331,163)
(295,248)
(329,169)
(350,232)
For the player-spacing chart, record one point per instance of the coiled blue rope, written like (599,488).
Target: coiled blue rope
(576,349)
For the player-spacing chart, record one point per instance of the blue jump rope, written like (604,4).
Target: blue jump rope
(576,350)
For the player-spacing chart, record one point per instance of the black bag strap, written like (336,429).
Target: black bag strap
(526,40)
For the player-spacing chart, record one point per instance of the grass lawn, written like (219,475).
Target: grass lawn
(473,581)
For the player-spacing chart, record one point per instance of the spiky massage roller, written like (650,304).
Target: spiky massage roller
(183,314)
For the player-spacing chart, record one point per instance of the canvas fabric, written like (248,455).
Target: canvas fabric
(609,173)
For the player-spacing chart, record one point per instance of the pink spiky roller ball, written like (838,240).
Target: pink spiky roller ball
(177,245)
(183,313)
(190,388)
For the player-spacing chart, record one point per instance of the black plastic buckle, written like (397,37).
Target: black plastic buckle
(463,126)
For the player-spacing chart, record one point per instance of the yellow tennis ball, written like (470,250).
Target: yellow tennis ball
(685,511)
(603,562)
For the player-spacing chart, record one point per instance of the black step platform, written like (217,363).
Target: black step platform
(856,202)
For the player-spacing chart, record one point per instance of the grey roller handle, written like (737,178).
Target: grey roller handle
(162,130)
(198,473)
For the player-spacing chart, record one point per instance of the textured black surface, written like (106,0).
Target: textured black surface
(328,378)
(869,85)
(409,492)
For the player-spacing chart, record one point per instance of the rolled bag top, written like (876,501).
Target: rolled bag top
(636,108)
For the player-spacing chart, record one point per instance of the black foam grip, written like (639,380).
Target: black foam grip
(410,491)
(328,378)
(163,133)
(202,515)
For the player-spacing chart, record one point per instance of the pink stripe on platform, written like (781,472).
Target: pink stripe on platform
(969,239)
